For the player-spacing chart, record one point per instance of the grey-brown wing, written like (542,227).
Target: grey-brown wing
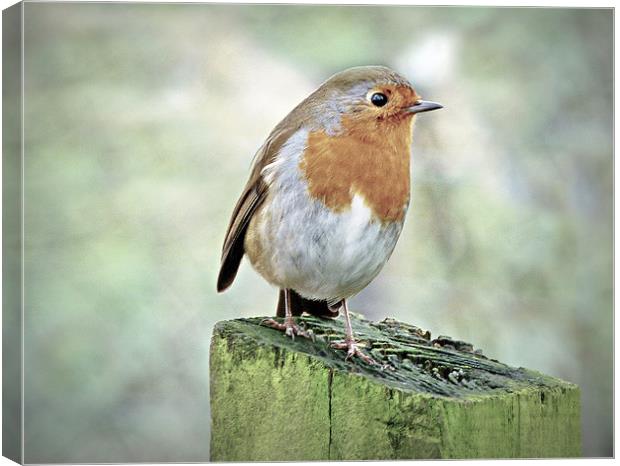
(251,199)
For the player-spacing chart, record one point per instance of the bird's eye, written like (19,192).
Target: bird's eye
(378,99)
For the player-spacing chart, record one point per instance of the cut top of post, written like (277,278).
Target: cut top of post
(408,359)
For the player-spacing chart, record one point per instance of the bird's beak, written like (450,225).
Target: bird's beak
(424,106)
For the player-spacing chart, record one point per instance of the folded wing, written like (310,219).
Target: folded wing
(254,194)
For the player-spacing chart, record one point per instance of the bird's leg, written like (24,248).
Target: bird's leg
(349,342)
(289,326)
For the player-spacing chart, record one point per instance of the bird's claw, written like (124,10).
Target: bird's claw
(289,327)
(353,350)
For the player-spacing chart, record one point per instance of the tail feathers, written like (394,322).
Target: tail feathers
(230,266)
(299,305)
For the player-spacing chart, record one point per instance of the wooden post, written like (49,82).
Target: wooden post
(275,399)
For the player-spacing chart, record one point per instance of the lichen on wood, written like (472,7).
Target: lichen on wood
(274,398)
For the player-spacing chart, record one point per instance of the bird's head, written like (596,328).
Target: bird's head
(367,94)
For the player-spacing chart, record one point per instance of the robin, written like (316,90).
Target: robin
(327,196)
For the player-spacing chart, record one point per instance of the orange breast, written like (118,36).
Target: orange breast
(370,158)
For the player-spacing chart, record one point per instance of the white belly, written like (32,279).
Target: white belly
(319,253)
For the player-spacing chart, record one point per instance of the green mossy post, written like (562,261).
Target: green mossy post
(275,399)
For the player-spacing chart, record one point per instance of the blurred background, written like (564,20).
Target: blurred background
(141,122)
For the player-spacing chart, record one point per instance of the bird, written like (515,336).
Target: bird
(327,196)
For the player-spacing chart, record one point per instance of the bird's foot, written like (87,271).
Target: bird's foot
(289,328)
(352,350)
